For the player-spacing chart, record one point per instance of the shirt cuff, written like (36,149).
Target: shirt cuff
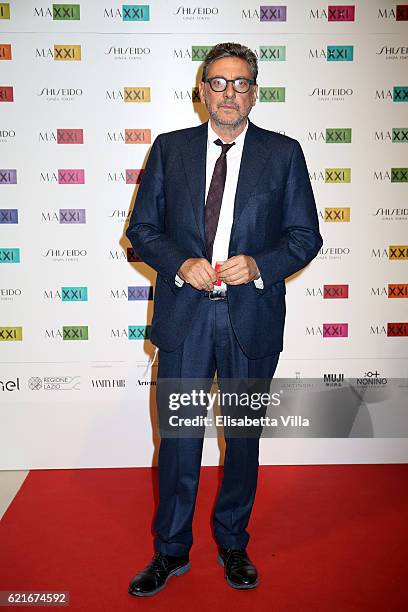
(259,283)
(179,281)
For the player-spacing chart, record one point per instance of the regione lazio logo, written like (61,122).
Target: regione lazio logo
(266,13)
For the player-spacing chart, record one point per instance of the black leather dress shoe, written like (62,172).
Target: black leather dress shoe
(153,577)
(239,571)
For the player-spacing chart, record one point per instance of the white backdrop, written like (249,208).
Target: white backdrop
(74,135)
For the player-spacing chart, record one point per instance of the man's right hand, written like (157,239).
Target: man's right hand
(199,273)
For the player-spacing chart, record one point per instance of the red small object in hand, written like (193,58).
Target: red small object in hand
(216,268)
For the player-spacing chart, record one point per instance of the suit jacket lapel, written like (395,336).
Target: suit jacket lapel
(254,157)
(194,156)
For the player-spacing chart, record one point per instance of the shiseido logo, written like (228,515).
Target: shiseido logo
(391,214)
(60,12)
(393,53)
(329,94)
(128,177)
(65,216)
(128,12)
(108,383)
(62,136)
(8,293)
(133,332)
(331,136)
(196,12)
(128,255)
(396,135)
(332,253)
(130,136)
(6,93)
(61,94)
(395,175)
(64,177)
(128,53)
(187,95)
(8,215)
(61,53)
(64,254)
(333,53)
(6,135)
(5,51)
(129,95)
(120,215)
(399,93)
(67,294)
(334,13)
(265,13)
(132,293)
(328,330)
(399,13)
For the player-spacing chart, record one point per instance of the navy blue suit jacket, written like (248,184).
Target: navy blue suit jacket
(275,221)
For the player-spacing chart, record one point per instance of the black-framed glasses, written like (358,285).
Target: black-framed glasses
(239,85)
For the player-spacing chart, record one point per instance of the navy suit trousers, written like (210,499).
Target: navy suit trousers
(209,346)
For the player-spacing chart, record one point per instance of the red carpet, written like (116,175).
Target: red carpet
(324,538)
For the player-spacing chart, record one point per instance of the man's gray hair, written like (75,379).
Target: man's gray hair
(229,49)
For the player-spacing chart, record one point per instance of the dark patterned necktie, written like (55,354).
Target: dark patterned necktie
(214,196)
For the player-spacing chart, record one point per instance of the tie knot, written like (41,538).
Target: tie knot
(225,147)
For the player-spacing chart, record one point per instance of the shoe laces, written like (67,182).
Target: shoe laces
(158,564)
(235,557)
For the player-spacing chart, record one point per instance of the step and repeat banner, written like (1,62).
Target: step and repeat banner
(84,90)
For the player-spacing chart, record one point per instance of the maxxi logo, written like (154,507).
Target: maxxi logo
(266,13)
(60,12)
(11,334)
(334,13)
(129,12)
(8,215)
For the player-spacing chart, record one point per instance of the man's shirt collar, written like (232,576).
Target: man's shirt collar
(239,140)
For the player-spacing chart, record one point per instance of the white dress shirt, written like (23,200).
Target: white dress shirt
(222,237)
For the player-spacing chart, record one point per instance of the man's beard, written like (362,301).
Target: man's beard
(227,123)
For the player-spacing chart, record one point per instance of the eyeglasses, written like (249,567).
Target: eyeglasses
(219,84)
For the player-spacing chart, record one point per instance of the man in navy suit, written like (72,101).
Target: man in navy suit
(224,213)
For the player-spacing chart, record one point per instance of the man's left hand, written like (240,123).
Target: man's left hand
(239,270)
